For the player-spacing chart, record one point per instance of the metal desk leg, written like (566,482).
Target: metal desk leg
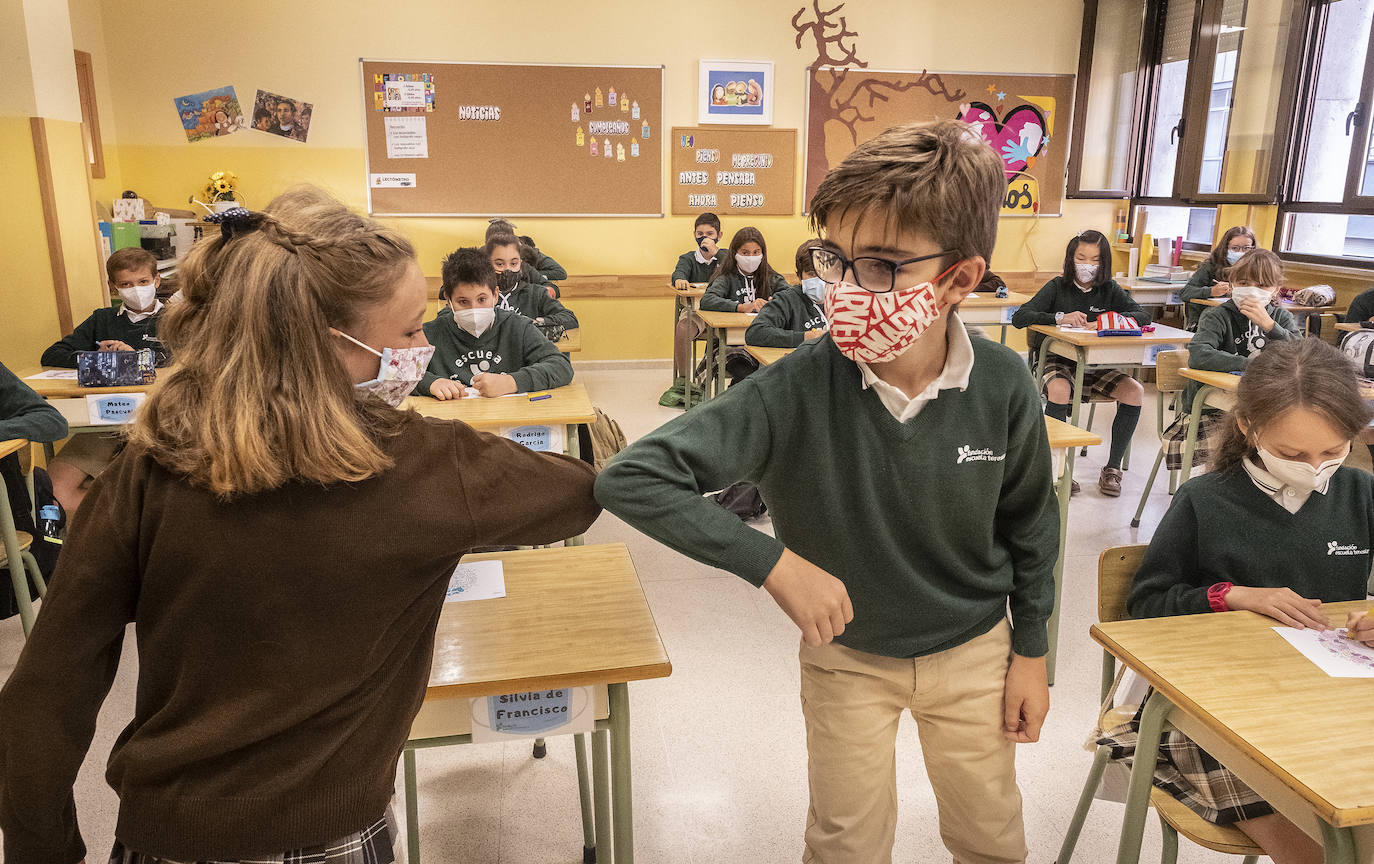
(622,794)
(1190,443)
(1063,489)
(1152,719)
(1339,844)
(412,810)
(584,798)
(1076,398)
(1003,339)
(720,362)
(601,788)
(18,577)
(709,384)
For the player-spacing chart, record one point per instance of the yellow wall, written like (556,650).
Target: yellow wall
(304,52)
(29,320)
(88,34)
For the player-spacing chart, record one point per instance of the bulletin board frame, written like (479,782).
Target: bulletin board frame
(657,145)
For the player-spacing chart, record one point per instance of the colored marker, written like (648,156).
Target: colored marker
(544,396)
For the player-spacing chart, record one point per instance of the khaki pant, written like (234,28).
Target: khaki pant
(853,701)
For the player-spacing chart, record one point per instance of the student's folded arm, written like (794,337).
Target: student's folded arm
(544,367)
(63,351)
(682,269)
(555,312)
(519,497)
(423,388)
(48,707)
(1361,308)
(1037,310)
(768,330)
(1199,284)
(657,484)
(715,299)
(1204,349)
(1285,325)
(25,414)
(1164,584)
(551,269)
(1028,522)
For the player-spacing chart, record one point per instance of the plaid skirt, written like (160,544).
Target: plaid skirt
(1191,775)
(372,845)
(1098,382)
(1176,438)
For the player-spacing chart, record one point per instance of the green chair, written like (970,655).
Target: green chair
(1116,568)
(15,553)
(1170,385)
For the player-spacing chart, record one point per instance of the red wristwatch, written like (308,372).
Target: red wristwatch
(1216,596)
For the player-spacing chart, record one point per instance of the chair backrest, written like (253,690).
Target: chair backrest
(1167,364)
(1116,568)
(1326,323)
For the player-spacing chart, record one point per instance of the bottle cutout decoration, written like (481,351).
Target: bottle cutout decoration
(644,129)
(624,104)
(576,115)
(593,146)
(634,112)
(619,152)
(606,148)
(586,103)
(599,98)
(634,148)
(610,98)
(581,139)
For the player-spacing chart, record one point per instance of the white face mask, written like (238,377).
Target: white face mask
(748,263)
(1232,256)
(1301,475)
(398,373)
(814,288)
(137,298)
(1244,292)
(1085,273)
(475,321)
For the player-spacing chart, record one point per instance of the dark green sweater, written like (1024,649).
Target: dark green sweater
(1199,287)
(785,320)
(549,268)
(1361,308)
(1222,528)
(689,268)
(1225,340)
(104,324)
(726,292)
(533,301)
(25,414)
(932,525)
(512,345)
(1062,295)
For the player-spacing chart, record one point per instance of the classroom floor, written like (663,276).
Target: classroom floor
(719,748)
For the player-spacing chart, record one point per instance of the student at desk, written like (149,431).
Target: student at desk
(1074,299)
(531,258)
(1278,527)
(696,267)
(481,348)
(796,313)
(282,537)
(516,293)
(1212,278)
(744,283)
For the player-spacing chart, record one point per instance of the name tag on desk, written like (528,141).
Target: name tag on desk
(1007,312)
(538,713)
(545,439)
(1152,351)
(113,410)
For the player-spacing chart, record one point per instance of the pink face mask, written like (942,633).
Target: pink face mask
(400,370)
(875,328)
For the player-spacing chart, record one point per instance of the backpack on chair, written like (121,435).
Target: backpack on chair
(1359,347)
(603,441)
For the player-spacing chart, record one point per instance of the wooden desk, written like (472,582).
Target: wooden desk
(69,398)
(571,342)
(1064,439)
(571,617)
(1086,348)
(767,356)
(1151,293)
(1352,327)
(988,310)
(1296,736)
(727,328)
(684,300)
(1218,391)
(568,406)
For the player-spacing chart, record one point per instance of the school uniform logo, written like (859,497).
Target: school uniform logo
(478,361)
(1336,548)
(967,453)
(503,302)
(1251,341)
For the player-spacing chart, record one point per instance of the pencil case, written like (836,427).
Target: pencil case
(114,368)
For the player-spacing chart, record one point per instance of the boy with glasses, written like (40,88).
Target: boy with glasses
(926,508)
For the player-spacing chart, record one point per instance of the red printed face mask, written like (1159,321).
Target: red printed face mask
(875,328)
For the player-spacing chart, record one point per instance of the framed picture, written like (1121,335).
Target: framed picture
(738,92)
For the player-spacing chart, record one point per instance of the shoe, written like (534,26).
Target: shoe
(1110,482)
(1075,488)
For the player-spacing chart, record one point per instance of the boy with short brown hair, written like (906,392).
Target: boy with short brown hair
(926,509)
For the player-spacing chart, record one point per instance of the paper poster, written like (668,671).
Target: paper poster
(1332,652)
(210,114)
(282,116)
(476,580)
(406,137)
(536,714)
(393,181)
(54,375)
(404,93)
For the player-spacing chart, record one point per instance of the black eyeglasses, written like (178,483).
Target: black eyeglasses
(875,275)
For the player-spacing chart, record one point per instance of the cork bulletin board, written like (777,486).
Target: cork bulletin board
(730,171)
(484,139)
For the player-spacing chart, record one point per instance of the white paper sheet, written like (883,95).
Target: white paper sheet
(1332,652)
(476,580)
(54,375)
(406,137)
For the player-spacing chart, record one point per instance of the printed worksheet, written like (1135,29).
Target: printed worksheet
(476,580)
(1332,651)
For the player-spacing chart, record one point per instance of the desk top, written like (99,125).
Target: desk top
(725,320)
(1220,380)
(1162,335)
(985,300)
(1309,730)
(1065,435)
(571,341)
(67,388)
(1286,304)
(13,445)
(569,404)
(572,616)
(693,289)
(767,356)
(1352,327)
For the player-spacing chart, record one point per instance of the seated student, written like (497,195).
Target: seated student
(1212,277)
(528,271)
(1228,337)
(1361,308)
(518,294)
(133,275)
(310,662)
(1256,534)
(546,266)
(795,314)
(695,267)
(25,414)
(744,283)
(492,351)
(1075,299)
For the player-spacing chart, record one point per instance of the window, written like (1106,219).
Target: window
(1108,72)
(1196,225)
(1166,115)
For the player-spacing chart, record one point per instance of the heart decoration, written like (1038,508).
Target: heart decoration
(1017,137)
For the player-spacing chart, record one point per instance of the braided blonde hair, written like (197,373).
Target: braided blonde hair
(258,396)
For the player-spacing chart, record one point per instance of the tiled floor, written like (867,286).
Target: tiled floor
(719,748)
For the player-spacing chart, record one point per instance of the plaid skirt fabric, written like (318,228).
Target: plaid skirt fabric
(1191,775)
(1098,382)
(373,845)
(1176,437)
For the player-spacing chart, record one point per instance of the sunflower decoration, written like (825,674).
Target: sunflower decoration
(220,186)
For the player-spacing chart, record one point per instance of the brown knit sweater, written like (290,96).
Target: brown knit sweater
(284,643)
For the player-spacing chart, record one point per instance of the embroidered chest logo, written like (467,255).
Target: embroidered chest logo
(968,454)
(1335,548)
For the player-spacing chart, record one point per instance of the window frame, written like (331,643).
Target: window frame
(90,114)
